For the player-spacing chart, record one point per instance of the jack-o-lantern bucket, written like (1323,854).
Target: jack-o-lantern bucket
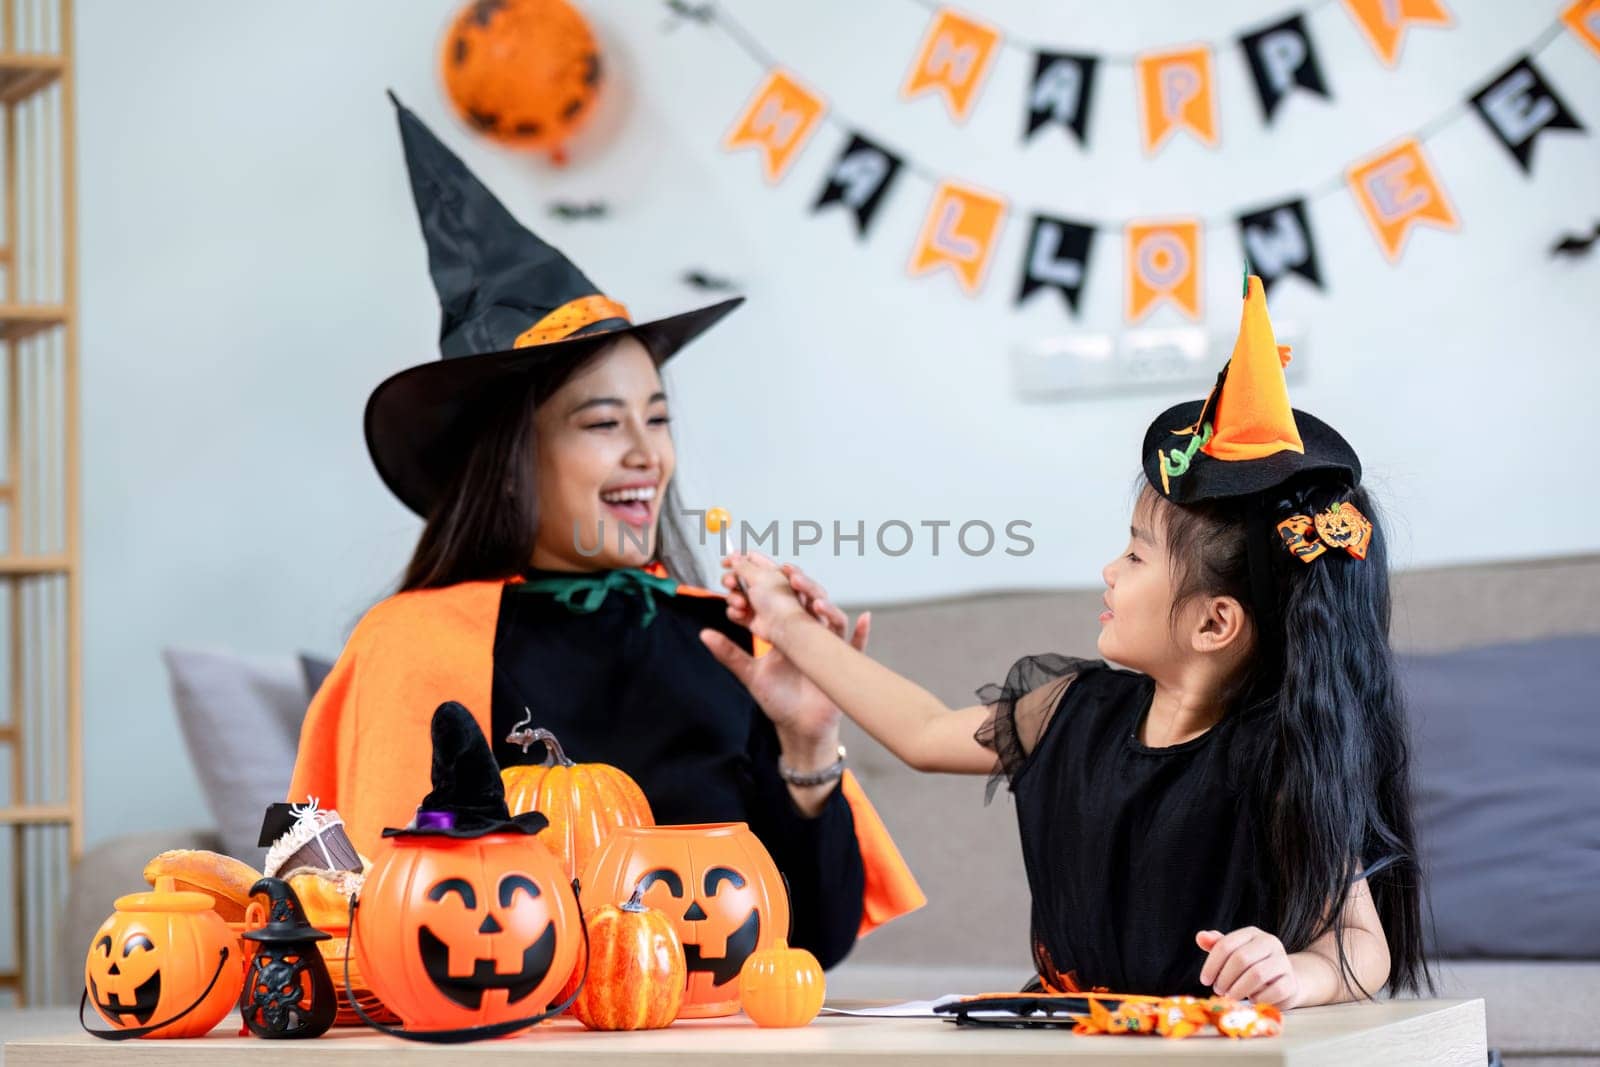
(717,883)
(164,965)
(470,932)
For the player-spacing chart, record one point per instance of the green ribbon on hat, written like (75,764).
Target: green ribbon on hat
(1177,463)
(583,594)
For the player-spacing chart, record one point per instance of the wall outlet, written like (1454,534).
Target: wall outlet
(1064,366)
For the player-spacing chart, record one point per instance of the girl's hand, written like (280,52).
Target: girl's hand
(762,598)
(1248,963)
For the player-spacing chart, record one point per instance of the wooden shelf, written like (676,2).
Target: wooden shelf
(22,75)
(19,321)
(35,815)
(14,565)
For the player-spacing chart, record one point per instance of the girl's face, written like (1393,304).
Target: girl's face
(1136,628)
(603,460)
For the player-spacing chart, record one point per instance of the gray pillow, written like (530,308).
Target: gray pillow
(241,718)
(315,670)
(1507,754)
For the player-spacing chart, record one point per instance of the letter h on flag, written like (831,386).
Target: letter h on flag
(777,121)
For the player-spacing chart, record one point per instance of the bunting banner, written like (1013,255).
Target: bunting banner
(1517,106)
(1384,22)
(1396,191)
(1060,92)
(959,233)
(1277,242)
(1057,258)
(1583,19)
(953,61)
(858,179)
(1281,59)
(779,119)
(1175,92)
(1163,265)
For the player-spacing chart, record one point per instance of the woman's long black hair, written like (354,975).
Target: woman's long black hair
(484,525)
(1325,750)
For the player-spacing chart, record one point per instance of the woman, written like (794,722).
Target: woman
(544,589)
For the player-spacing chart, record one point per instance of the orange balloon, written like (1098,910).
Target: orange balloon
(523,72)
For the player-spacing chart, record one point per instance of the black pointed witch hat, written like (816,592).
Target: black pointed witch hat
(513,308)
(468,797)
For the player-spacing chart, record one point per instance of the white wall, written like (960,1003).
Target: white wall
(251,268)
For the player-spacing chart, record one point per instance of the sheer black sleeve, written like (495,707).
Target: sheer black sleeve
(1022,707)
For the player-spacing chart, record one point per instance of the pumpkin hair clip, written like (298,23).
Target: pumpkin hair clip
(1339,525)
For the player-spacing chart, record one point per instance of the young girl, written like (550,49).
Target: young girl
(1231,813)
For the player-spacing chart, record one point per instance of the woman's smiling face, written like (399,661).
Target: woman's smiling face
(603,460)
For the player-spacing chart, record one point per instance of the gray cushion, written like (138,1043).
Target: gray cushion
(241,718)
(315,670)
(1507,746)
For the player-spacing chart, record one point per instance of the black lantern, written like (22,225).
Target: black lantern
(287,991)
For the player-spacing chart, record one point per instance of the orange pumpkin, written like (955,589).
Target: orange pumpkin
(782,986)
(523,72)
(463,932)
(717,884)
(155,958)
(637,972)
(584,802)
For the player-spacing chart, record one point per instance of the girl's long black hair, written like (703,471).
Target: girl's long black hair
(484,525)
(1325,753)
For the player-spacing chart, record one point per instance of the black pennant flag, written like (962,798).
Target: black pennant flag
(1058,257)
(858,179)
(1060,91)
(1518,105)
(1277,241)
(1281,57)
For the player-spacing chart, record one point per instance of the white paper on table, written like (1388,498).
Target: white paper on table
(911,1009)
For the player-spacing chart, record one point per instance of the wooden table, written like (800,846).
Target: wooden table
(1400,1032)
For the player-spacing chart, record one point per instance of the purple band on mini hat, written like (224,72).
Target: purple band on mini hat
(436,820)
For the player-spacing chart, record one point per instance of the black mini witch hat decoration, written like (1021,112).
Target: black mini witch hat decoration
(286,918)
(468,797)
(513,309)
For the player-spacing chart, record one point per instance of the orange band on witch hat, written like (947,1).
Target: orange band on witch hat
(569,318)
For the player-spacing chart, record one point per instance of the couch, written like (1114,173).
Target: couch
(973,933)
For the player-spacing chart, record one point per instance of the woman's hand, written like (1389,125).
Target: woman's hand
(773,597)
(1249,963)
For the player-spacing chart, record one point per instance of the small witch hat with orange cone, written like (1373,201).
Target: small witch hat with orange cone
(1244,438)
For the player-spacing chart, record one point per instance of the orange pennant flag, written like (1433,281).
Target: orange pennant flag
(1163,264)
(954,58)
(1176,92)
(1384,22)
(960,232)
(1583,19)
(1397,189)
(777,121)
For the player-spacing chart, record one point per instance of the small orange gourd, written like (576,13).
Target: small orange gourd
(781,986)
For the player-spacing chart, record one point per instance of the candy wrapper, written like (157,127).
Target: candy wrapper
(1117,1013)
